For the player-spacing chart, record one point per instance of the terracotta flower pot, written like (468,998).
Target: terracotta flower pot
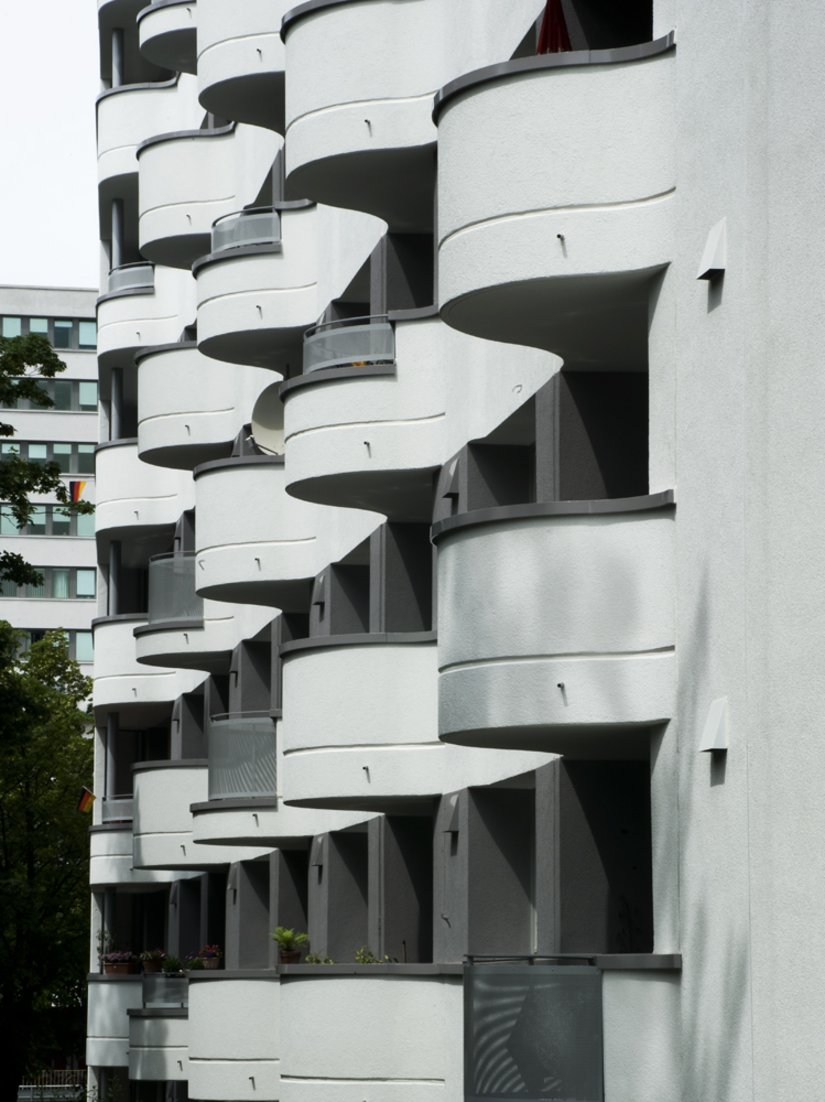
(289,956)
(119,968)
(152,966)
(211,962)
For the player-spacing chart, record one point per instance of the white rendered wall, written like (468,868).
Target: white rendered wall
(159,1048)
(121,681)
(107,1028)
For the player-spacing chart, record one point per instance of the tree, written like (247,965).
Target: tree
(45,758)
(24,361)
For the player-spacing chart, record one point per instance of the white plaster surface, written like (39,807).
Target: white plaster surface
(641,1016)
(159,1048)
(129,323)
(161,32)
(120,681)
(132,494)
(234,1040)
(107,1023)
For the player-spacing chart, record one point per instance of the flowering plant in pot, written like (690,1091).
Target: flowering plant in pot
(152,959)
(290,944)
(210,955)
(118,962)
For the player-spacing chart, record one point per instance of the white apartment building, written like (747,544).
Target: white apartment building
(460,550)
(60,546)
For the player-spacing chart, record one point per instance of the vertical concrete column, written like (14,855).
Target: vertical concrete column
(114,577)
(118,53)
(112,728)
(116,406)
(117,233)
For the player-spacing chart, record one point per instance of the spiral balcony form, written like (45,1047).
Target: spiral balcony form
(159,1044)
(256,544)
(168,34)
(162,838)
(557,245)
(122,685)
(107,1024)
(244,805)
(556,625)
(370,740)
(234,1049)
(110,864)
(184,631)
(142,306)
(395,1030)
(190,178)
(133,495)
(128,115)
(241,61)
(255,301)
(191,408)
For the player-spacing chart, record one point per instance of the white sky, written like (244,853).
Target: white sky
(49,78)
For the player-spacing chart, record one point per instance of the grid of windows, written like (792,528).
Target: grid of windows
(69,333)
(49,520)
(81,647)
(71,457)
(72,395)
(60,583)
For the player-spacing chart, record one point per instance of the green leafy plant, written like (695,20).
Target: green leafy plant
(194,963)
(171,966)
(288,941)
(365,955)
(316,958)
(153,954)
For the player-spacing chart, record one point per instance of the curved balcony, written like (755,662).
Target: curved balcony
(241,61)
(110,864)
(167,30)
(122,685)
(556,625)
(128,115)
(234,1031)
(244,808)
(556,248)
(365,422)
(164,791)
(159,1044)
(359,119)
(107,1029)
(256,300)
(143,306)
(191,408)
(133,495)
(189,178)
(370,740)
(395,1030)
(183,630)
(258,545)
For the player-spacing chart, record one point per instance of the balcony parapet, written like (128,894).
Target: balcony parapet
(167,30)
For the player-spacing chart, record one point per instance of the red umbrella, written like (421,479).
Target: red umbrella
(553,36)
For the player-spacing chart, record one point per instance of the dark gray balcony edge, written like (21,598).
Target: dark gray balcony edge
(121,442)
(238,461)
(120,618)
(607,962)
(173,346)
(168,625)
(357,639)
(330,374)
(122,89)
(237,803)
(158,1011)
(156,5)
(116,825)
(124,292)
(324,971)
(604,507)
(234,253)
(99,977)
(572,59)
(178,763)
(414,313)
(175,135)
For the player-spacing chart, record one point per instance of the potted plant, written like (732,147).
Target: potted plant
(210,955)
(119,962)
(194,963)
(171,966)
(152,960)
(289,944)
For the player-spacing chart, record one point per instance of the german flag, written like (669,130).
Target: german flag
(87,798)
(76,490)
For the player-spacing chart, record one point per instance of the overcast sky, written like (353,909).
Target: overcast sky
(48,174)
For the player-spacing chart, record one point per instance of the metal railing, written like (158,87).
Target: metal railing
(252,226)
(349,342)
(242,756)
(172,588)
(532,1031)
(132,277)
(160,990)
(117,809)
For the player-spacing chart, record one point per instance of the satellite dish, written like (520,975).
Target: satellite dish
(268,421)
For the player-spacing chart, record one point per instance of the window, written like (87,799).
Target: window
(11,327)
(70,395)
(37,453)
(62,393)
(62,333)
(62,454)
(85,459)
(49,520)
(87,334)
(60,583)
(83,646)
(39,325)
(71,458)
(87,395)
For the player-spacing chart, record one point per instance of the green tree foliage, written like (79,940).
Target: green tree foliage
(45,757)
(24,361)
